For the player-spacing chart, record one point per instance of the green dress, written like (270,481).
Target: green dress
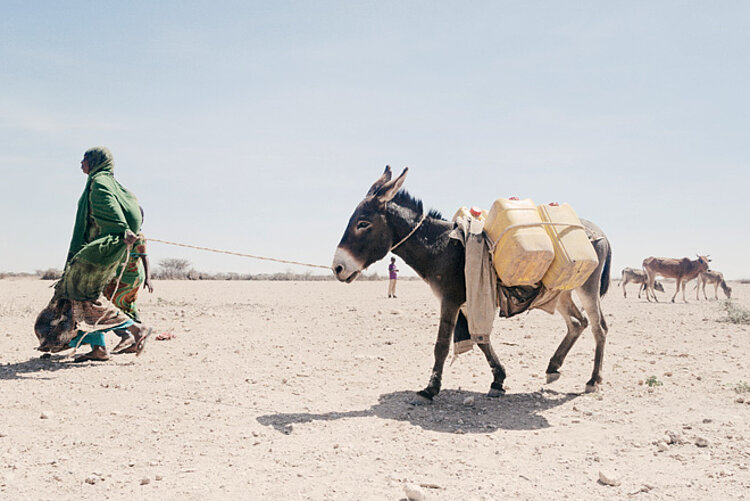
(130,282)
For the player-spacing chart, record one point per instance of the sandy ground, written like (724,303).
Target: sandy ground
(282,390)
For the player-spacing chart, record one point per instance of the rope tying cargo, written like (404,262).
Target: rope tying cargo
(531,225)
(231,253)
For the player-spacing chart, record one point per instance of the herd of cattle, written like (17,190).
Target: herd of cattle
(681,270)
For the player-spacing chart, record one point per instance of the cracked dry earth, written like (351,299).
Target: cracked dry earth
(301,390)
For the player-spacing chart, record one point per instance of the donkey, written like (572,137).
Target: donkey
(715,278)
(637,277)
(391,220)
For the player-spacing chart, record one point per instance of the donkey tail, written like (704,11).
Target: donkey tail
(604,285)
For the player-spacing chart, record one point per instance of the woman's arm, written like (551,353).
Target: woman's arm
(146,270)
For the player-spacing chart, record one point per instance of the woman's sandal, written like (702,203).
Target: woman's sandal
(137,348)
(124,344)
(88,357)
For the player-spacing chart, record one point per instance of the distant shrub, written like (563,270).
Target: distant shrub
(736,314)
(652,381)
(49,274)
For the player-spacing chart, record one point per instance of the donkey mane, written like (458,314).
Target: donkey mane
(404,199)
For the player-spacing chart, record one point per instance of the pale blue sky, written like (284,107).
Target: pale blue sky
(257,127)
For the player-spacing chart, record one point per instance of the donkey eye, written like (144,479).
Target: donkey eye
(363,225)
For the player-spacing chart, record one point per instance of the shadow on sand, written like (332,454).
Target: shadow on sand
(448,414)
(37,368)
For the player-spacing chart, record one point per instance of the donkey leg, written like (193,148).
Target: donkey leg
(650,279)
(498,371)
(576,323)
(448,315)
(592,306)
(677,290)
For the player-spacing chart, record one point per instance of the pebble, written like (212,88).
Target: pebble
(740,400)
(674,438)
(469,401)
(662,446)
(643,488)
(159,478)
(145,481)
(413,492)
(46,415)
(91,480)
(701,442)
(607,478)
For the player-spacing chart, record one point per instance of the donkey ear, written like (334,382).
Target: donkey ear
(389,189)
(381,181)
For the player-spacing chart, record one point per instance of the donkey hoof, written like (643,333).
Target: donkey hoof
(496,392)
(552,377)
(592,388)
(421,398)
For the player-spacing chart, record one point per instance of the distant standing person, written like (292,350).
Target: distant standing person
(393,277)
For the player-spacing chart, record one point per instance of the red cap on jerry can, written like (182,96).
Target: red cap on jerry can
(554,204)
(513,198)
(475,211)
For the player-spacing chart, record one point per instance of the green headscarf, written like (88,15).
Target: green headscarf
(105,211)
(100,159)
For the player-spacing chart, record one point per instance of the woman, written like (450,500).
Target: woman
(107,221)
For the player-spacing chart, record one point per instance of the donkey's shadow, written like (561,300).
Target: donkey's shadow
(452,412)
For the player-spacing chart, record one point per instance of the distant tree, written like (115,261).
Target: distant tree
(173,269)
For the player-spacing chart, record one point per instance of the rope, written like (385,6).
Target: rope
(231,253)
(530,225)
(410,233)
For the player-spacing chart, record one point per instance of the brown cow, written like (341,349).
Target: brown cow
(682,270)
(637,277)
(715,278)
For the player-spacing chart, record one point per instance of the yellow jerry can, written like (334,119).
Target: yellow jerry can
(474,212)
(575,257)
(522,247)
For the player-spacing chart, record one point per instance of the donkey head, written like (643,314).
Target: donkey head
(367,237)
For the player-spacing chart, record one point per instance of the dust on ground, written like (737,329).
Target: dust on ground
(301,390)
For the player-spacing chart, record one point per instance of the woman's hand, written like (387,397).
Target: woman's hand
(147,285)
(130,237)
